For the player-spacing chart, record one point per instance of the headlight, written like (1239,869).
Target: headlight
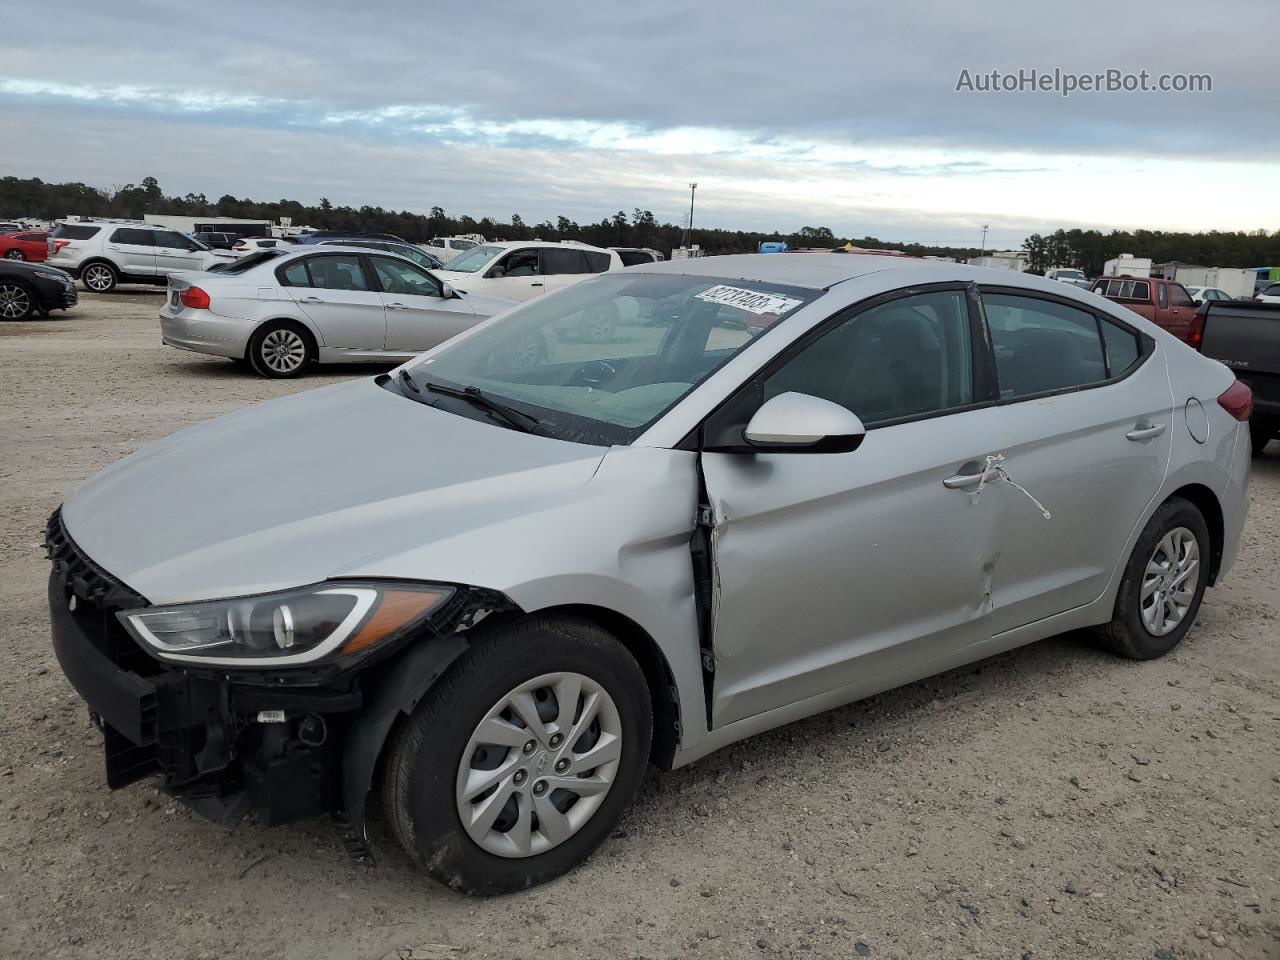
(324,621)
(50,275)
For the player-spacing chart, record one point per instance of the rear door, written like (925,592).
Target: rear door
(1088,412)
(133,250)
(417,314)
(175,252)
(563,267)
(335,293)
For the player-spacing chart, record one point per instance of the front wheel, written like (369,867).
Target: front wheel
(16,301)
(521,760)
(1163,583)
(280,349)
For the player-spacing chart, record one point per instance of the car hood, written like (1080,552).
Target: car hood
(317,485)
(485,306)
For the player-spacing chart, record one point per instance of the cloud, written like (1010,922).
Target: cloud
(828,112)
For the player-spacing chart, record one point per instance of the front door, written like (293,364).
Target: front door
(844,574)
(175,252)
(334,292)
(517,276)
(1087,409)
(418,315)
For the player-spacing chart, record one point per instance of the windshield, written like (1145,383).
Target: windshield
(474,259)
(245,264)
(1072,274)
(416,255)
(601,360)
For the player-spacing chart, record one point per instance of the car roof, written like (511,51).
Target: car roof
(814,270)
(555,244)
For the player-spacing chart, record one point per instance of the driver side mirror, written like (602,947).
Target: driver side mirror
(800,423)
(448,293)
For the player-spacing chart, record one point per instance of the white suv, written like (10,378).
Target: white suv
(103,253)
(522,270)
(445,249)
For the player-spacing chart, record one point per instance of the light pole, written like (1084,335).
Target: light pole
(985,228)
(688,231)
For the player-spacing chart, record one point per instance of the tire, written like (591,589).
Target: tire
(14,255)
(1130,633)
(17,300)
(423,787)
(281,350)
(99,276)
(599,324)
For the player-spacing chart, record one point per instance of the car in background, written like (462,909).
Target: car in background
(1208,294)
(320,236)
(498,595)
(103,253)
(1166,303)
(245,245)
(9,226)
(1269,294)
(283,310)
(216,240)
(446,248)
(408,250)
(1070,275)
(29,290)
(632,256)
(1245,336)
(523,269)
(31,245)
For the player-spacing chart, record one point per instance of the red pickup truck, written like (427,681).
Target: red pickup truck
(1165,303)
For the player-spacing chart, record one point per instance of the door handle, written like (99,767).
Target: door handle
(962,481)
(1145,433)
(536,283)
(311,300)
(397,306)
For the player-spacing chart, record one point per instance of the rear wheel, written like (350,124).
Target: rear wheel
(521,760)
(16,301)
(14,255)
(281,349)
(1163,585)
(99,277)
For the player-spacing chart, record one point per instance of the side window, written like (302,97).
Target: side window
(1123,348)
(556,262)
(1141,290)
(598,262)
(397,276)
(136,238)
(174,241)
(630,258)
(291,275)
(1162,295)
(903,358)
(1178,296)
(1041,345)
(520,263)
(337,272)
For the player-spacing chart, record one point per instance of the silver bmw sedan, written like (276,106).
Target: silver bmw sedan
(629,523)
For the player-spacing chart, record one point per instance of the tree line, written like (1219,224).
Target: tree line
(1086,249)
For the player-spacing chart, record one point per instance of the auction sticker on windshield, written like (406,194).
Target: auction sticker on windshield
(753,301)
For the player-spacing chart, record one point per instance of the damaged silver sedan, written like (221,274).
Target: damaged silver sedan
(629,523)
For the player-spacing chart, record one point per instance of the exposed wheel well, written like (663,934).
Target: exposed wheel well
(657,674)
(1206,501)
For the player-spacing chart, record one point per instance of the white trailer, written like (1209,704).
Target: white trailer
(1127,265)
(1239,283)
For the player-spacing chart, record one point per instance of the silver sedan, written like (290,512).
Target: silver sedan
(779,484)
(282,310)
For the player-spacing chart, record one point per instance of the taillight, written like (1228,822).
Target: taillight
(195,298)
(1195,332)
(1237,400)
(57,245)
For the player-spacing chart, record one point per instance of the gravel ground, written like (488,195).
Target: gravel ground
(1052,802)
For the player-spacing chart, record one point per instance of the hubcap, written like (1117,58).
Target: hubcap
(97,278)
(1170,581)
(524,353)
(517,803)
(14,255)
(283,351)
(15,302)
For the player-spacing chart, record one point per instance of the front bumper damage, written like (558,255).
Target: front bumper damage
(283,745)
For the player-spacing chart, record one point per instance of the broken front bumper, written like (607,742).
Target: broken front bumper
(224,747)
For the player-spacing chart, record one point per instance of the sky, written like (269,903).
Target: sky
(839,114)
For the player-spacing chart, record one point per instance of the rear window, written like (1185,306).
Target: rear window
(597,262)
(1124,289)
(631,258)
(68,231)
(245,264)
(1272,291)
(137,238)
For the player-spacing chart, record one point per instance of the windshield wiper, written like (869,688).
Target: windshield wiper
(513,417)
